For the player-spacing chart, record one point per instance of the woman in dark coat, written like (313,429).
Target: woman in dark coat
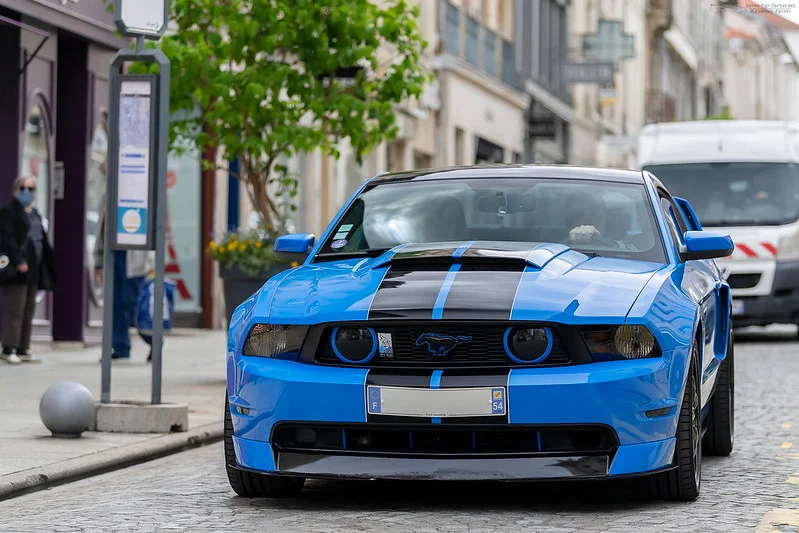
(23,238)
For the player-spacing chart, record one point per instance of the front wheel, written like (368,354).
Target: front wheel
(682,483)
(721,417)
(253,484)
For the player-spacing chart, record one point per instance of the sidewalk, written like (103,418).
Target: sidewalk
(193,373)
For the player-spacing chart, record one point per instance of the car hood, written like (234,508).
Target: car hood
(472,281)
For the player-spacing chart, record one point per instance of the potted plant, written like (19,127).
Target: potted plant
(246,260)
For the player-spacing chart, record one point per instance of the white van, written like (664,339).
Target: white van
(741,177)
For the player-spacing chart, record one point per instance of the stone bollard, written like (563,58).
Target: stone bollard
(67,409)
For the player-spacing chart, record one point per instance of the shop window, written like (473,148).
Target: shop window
(36,156)
(422,160)
(184,247)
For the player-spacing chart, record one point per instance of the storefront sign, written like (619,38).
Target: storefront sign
(147,18)
(135,178)
(588,72)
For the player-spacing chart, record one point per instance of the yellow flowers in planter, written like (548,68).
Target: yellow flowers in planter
(252,253)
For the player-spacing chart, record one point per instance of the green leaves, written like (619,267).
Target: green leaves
(261,73)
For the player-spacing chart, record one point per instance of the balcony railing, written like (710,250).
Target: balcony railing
(485,50)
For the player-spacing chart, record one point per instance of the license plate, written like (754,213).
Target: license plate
(737,307)
(401,401)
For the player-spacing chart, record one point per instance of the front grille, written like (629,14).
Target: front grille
(743,281)
(374,439)
(485,349)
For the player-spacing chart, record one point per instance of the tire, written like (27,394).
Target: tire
(682,483)
(252,484)
(720,434)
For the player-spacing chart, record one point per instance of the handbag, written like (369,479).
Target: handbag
(7,268)
(143,320)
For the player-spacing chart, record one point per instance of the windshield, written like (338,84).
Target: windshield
(735,194)
(602,218)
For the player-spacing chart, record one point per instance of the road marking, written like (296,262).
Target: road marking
(786,425)
(786,445)
(789,455)
(793,479)
(773,520)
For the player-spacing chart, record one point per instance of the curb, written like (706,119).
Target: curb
(35,479)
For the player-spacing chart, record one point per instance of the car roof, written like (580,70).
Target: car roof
(514,171)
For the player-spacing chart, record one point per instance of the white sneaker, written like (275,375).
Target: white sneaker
(28,358)
(10,358)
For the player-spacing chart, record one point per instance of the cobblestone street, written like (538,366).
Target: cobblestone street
(756,489)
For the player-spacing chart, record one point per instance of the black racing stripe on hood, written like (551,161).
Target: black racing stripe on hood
(480,294)
(408,292)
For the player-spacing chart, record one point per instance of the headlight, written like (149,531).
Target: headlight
(528,345)
(278,342)
(627,342)
(788,246)
(354,345)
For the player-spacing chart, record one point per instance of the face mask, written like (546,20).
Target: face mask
(25,197)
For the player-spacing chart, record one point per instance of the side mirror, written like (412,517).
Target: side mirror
(688,213)
(294,247)
(706,245)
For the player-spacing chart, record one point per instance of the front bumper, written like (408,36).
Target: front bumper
(781,306)
(622,395)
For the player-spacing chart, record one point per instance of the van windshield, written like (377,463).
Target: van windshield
(735,194)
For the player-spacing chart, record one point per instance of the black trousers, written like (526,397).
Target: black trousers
(19,304)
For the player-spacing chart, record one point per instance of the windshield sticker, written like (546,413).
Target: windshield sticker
(338,244)
(345,227)
(340,235)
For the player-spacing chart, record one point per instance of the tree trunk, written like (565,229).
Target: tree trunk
(258,183)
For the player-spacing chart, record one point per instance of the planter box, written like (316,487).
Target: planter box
(239,286)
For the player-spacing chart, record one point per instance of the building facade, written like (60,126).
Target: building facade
(541,49)
(760,65)
(54,72)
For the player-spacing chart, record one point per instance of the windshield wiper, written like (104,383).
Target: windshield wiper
(371,252)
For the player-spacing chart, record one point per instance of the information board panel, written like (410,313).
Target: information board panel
(135,179)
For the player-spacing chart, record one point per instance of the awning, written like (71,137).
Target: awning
(682,46)
(43,34)
(548,100)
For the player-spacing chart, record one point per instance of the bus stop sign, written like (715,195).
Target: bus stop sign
(146,18)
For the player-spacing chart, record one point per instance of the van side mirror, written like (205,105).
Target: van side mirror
(706,245)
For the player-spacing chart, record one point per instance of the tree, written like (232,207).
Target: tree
(273,78)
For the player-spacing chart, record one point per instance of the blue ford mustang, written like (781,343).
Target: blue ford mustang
(497,323)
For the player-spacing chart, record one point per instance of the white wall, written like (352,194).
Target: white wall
(479,111)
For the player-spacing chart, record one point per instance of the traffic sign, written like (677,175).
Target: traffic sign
(588,72)
(146,18)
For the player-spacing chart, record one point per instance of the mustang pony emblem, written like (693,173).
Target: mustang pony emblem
(441,345)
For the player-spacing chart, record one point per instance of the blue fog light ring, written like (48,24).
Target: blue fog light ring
(344,358)
(509,352)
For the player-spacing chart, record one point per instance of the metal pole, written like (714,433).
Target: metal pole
(162,140)
(112,166)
